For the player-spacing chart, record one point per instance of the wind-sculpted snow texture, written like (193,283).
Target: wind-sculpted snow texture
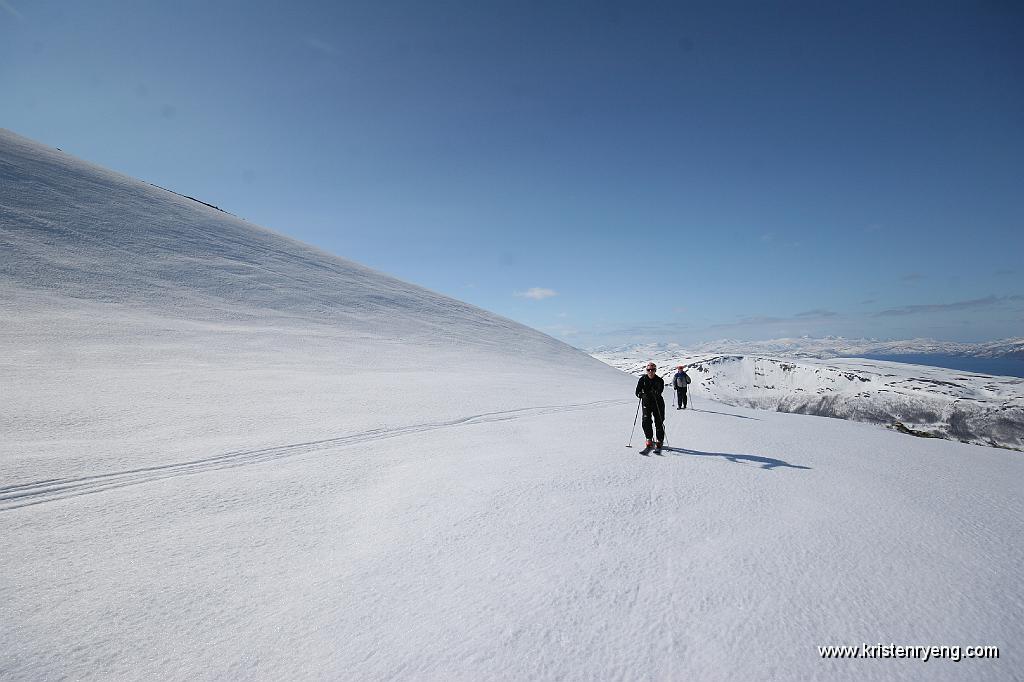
(926,401)
(227,455)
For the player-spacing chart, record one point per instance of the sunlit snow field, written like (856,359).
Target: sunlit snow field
(228,455)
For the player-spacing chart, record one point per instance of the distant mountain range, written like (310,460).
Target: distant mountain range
(836,347)
(912,398)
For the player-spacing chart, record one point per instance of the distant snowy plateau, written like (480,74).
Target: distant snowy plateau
(838,347)
(914,399)
(227,455)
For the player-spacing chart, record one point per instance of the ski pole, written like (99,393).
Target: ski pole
(630,443)
(664,429)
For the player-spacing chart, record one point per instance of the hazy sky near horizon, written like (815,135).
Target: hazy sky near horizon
(607,173)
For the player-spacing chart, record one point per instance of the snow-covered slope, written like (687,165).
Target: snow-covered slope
(226,455)
(924,401)
(128,310)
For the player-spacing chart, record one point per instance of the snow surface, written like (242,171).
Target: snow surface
(928,401)
(228,455)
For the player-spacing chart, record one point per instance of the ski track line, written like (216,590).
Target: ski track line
(50,490)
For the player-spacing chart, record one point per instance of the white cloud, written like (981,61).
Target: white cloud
(537,293)
(321,46)
(10,9)
(562,330)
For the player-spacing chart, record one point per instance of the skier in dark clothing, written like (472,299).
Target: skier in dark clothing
(680,381)
(649,390)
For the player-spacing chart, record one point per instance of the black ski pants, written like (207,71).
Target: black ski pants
(681,397)
(655,409)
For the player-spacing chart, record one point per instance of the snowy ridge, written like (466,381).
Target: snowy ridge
(925,401)
(71,240)
(183,301)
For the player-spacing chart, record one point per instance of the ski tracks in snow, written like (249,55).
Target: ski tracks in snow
(51,490)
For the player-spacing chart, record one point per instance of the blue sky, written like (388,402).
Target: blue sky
(608,173)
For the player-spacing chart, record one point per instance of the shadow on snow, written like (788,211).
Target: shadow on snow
(765,462)
(727,414)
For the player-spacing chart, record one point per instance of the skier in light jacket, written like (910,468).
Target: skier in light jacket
(680,381)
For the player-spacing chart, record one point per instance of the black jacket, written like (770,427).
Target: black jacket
(648,388)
